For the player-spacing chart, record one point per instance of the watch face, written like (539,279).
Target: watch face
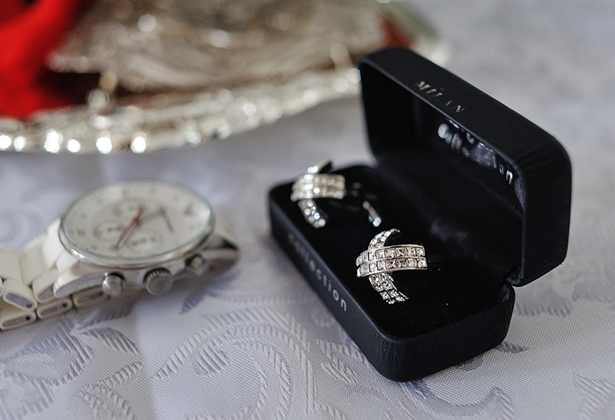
(135,223)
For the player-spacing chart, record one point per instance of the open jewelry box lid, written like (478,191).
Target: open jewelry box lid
(454,151)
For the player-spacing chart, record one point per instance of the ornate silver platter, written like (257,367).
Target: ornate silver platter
(181,72)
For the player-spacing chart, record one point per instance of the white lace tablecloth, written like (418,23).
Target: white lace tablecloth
(256,342)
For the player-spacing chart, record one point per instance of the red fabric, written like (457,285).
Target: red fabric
(27,35)
(394,36)
(10,9)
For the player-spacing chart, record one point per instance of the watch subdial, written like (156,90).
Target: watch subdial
(144,241)
(109,230)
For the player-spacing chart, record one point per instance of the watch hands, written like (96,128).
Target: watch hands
(166,219)
(133,223)
(160,212)
(138,220)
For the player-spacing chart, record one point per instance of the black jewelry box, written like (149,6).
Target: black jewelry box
(486,192)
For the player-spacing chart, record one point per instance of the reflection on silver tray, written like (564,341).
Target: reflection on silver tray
(197,71)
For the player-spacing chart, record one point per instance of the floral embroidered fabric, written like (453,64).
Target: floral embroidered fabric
(256,342)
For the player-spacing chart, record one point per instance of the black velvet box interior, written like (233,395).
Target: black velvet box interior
(485,191)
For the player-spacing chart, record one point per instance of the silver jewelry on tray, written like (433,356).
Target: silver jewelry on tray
(207,78)
(380,259)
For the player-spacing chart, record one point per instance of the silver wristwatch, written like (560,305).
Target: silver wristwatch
(144,234)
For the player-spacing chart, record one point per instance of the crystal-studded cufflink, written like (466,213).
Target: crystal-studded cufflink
(316,184)
(380,259)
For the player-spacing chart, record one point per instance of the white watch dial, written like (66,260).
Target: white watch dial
(135,223)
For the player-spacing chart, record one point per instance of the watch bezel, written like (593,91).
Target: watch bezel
(188,249)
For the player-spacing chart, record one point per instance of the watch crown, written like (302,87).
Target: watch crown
(158,281)
(113,284)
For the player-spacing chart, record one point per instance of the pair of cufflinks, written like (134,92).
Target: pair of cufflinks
(380,259)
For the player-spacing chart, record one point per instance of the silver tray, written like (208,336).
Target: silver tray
(178,72)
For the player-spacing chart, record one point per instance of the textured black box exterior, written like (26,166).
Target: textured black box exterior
(399,359)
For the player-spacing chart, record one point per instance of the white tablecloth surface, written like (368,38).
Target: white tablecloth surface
(256,342)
